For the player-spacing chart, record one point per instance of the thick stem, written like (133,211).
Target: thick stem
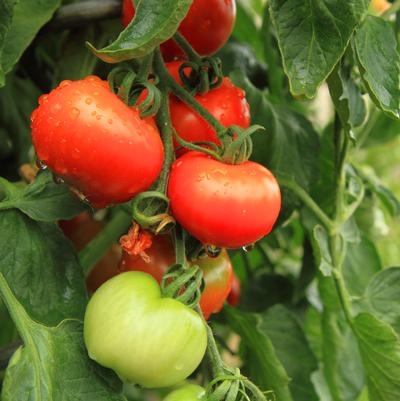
(96,248)
(180,252)
(309,203)
(186,47)
(145,68)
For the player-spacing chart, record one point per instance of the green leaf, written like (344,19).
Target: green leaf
(291,346)
(44,200)
(155,21)
(347,98)
(341,360)
(263,364)
(290,146)
(382,295)
(322,252)
(380,351)
(28,17)
(53,364)
(312,37)
(361,263)
(41,268)
(6,14)
(379,62)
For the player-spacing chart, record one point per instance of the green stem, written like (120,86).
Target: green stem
(309,203)
(367,129)
(180,252)
(165,125)
(186,47)
(7,205)
(213,355)
(96,248)
(145,68)
(394,8)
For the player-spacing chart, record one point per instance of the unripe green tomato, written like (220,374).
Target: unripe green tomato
(145,339)
(190,392)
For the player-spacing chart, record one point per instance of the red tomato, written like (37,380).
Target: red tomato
(234,295)
(95,142)
(81,230)
(220,204)
(217,272)
(227,104)
(207,26)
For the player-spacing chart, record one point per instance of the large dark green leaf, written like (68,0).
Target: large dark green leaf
(6,14)
(382,296)
(290,145)
(262,364)
(361,263)
(28,17)
(155,21)
(44,200)
(313,35)
(380,351)
(379,61)
(42,268)
(291,346)
(53,364)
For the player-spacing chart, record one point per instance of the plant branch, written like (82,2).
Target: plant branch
(84,12)
(96,248)
(7,352)
(309,203)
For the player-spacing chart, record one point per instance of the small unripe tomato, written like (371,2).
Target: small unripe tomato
(378,7)
(146,339)
(234,295)
(190,392)
(87,136)
(235,205)
(204,16)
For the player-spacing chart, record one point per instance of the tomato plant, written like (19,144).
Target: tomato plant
(127,316)
(266,130)
(236,204)
(217,272)
(89,138)
(204,16)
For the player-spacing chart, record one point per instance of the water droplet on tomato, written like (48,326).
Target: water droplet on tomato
(88,100)
(98,117)
(93,113)
(41,164)
(65,83)
(74,113)
(212,251)
(248,248)
(43,99)
(57,179)
(110,121)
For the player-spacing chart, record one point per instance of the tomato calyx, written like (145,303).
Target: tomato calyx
(137,89)
(150,211)
(185,284)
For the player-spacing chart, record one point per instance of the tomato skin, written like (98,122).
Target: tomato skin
(86,135)
(234,295)
(81,230)
(229,206)
(204,16)
(226,103)
(147,340)
(190,392)
(217,272)
(378,7)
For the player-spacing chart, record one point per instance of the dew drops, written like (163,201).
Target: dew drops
(93,113)
(88,100)
(65,83)
(212,251)
(248,248)
(41,164)
(74,113)
(98,117)
(110,121)
(57,179)
(43,99)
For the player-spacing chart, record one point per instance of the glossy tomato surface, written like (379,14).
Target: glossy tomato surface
(147,340)
(190,392)
(86,135)
(226,103)
(81,230)
(207,26)
(217,272)
(225,205)
(234,295)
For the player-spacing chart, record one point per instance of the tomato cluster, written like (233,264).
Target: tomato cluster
(99,144)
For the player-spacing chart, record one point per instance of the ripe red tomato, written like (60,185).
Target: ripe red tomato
(95,142)
(217,272)
(207,26)
(227,104)
(81,230)
(234,295)
(220,204)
